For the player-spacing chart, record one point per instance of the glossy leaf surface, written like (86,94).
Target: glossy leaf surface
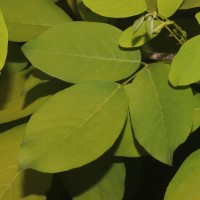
(116,8)
(168,7)
(185,65)
(16,184)
(83,122)
(161,115)
(101,180)
(26,19)
(3,40)
(90,53)
(185,184)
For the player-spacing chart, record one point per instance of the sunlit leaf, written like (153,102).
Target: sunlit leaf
(197,16)
(14,103)
(101,179)
(161,115)
(187,4)
(168,7)
(185,65)
(77,130)
(129,39)
(116,8)
(16,184)
(196,115)
(90,53)
(185,184)
(26,19)
(3,40)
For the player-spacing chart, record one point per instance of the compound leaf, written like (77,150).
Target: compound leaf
(185,65)
(16,184)
(31,19)
(116,8)
(90,53)
(83,122)
(185,183)
(161,115)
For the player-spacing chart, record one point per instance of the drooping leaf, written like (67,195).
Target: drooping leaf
(185,65)
(116,8)
(26,19)
(187,4)
(185,184)
(83,122)
(129,39)
(3,40)
(14,103)
(128,146)
(161,115)
(196,115)
(197,16)
(16,184)
(101,179)
(90,53)
(168,7)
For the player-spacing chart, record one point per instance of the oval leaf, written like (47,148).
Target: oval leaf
(82,123)
(185,184)
(32,17)
(187,4)
(168,7)
(185,65)
(3,40)
(16,184)
(90,53)
(161,115)
(101,180)
(116,8)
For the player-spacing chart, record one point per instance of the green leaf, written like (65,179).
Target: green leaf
(14,103)
(185,65)
(161,115)
(196,115)
(197,16)
(32,18)
(90,53)
(83,122)
(168,7)
(185,184)
(100,179)
(116,8)
(3,40)
(151,5)
(128,146)
(129,38)
(187,4)
(16,184)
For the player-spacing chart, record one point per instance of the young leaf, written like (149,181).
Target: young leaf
(185,65)
(161,115)
(16,184)
(90,53)
(14,103)
(3,40)
(185,184)
(101,179)
(187,4)
(31,19)
(168,7)
(83,122)
(129,38)
(116,8)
